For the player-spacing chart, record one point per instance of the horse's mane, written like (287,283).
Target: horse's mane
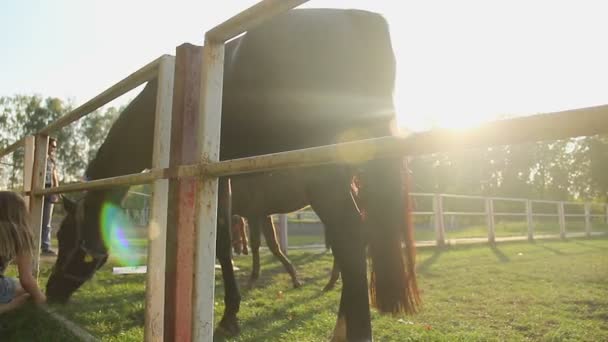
(128,145)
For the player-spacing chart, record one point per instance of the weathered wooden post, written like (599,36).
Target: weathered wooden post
(529,220)
(183,192)
(210,115)
(490,219)
(28,166)
(37,201)
(283,241)
(562,219)
(157,225)
(588,219)
(439,222)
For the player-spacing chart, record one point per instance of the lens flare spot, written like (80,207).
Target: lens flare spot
(114,224)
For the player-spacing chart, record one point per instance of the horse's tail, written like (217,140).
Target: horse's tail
(384,198)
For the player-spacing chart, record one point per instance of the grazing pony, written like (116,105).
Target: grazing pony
(240,242)
(306,78)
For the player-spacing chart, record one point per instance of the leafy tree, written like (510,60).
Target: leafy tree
(77,143)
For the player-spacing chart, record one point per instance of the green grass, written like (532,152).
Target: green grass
(507,229)
(543,291)
(31,324)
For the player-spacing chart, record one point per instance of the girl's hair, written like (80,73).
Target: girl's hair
(15,234)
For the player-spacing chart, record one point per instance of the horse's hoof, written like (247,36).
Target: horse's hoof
(227,329)
(335,338)
(297,284)
(328,287)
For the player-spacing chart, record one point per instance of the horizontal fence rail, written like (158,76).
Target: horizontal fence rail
(249,18)
(129,83)
(438,213)
(415,144)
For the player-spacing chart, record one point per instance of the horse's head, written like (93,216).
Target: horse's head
(81,249)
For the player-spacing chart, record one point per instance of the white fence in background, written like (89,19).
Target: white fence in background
(490,214)
(438,214)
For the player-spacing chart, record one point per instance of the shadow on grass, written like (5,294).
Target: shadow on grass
(266,326)
(588,245)
(116,302)
(266,323)
(423,267)
(502,257)
(550,249)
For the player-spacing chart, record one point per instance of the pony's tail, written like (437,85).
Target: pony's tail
(385,200)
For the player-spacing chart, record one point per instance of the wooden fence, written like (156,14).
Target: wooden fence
(190,86)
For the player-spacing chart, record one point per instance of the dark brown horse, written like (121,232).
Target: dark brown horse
(239,242)
(306,78)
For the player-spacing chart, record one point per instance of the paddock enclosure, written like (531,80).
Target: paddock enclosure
(189,86)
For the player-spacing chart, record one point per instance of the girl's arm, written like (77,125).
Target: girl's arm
(29,284)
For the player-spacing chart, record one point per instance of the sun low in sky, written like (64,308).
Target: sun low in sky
(458,62)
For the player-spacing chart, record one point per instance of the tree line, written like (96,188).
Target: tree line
(570,169)
(21,115)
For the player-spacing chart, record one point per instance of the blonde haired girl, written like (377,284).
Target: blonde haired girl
(16,243)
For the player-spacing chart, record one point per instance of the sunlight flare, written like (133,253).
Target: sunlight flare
(114,224)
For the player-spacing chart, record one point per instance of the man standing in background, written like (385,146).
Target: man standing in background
(51,180)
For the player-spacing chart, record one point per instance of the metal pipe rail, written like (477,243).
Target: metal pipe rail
(385,147)
(129,83)
(250,18)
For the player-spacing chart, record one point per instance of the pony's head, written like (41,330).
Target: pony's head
(81,249)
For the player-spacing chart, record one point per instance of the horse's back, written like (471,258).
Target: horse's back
(304,78)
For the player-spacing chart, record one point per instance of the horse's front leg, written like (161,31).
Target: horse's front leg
(255,239)
(229,324)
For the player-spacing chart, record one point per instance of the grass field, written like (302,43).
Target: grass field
(543,291)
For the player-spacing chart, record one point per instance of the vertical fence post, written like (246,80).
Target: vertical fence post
(212,78)
(588,219)
(490,218)
(530,220)
(28,166)
(439,224)
(283,233)
(37,201)
(181,216)
(562,219)
(157,229)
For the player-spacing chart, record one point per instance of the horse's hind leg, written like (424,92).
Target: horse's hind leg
(335,275)
(255,241)
(271,240)
(334,205)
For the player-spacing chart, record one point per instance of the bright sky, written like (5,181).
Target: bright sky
(459,62)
